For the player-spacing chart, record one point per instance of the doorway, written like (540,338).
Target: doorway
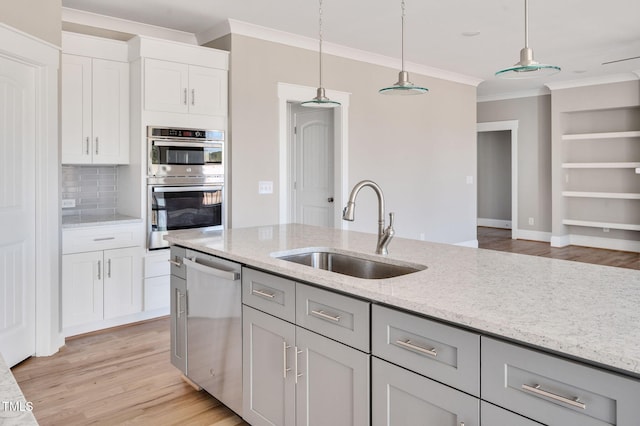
(498,175)
(312,155)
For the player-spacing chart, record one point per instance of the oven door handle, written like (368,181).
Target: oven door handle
(178,144)
(185,188)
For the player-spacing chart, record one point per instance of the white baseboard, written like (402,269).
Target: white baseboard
(597,242)
(114,322)
(526,234)
(470,243)
(494,223)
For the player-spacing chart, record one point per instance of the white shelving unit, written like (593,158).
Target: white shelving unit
(611,195)
(615,165)
(605,135)
(604,225)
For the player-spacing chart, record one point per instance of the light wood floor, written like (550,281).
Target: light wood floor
(124,376)
(500,239)
(118,376)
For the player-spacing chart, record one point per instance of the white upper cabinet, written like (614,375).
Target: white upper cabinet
(95,102)
(176,87)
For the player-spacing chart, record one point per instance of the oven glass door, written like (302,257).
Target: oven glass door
(184,207)
(185,153)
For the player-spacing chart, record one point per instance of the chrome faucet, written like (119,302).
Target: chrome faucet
(384,235)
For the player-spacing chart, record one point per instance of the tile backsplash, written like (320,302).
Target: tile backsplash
(93,187)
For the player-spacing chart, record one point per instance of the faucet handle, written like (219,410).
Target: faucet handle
(391,217)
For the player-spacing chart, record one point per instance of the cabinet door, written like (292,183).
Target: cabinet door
(268,369)
(207,91)
(110,141)
(165,86)
(75,110)
(491,415)
(178,328)
(333,382)
(122,282)
(401,397)
(82,278)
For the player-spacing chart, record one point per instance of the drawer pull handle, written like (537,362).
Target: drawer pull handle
(574,402)
(324,315)
(104,239)
(174,262)
(409,345)
(263,293)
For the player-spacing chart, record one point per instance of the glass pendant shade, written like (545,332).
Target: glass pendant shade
(527,67)
(403,86)
(321,100)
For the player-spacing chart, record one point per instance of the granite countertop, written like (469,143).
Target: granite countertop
(14,409)
(586,311)
(97,220)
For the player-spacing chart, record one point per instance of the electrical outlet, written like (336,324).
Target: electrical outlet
(605,229)
(532,221)
(68,203)
(469,180)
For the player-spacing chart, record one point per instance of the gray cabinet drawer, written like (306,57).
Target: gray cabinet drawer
(177,266)
(556,391)
(490,415)
(269,293)
(338,317)
(444,353)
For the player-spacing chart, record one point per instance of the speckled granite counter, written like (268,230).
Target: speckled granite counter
(97,220)
(14,409)
(586,311)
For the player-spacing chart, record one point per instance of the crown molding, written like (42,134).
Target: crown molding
(514,95)
(594,81)
(125,26)
(308,43)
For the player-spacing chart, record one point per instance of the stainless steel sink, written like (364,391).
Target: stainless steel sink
(350,265)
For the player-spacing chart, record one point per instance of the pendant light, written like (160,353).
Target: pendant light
(403,86)
(321,100)
(527,67)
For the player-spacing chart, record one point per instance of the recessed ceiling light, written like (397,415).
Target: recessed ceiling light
(471,33)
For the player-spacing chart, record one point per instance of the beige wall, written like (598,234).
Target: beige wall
(534,154)
(419,149)
(494,175)
(41,18)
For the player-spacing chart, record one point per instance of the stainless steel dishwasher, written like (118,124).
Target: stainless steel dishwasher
(214,327)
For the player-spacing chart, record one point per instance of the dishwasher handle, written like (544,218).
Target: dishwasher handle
(220,273)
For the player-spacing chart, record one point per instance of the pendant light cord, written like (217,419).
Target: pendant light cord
(320,39)
(402,37)
(526,24)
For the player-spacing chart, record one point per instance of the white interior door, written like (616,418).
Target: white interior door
(17,211)
(314,174)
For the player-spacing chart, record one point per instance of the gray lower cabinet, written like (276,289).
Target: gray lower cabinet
(178,329)
(556,391)
(293,376)
(490,415)
(402,397)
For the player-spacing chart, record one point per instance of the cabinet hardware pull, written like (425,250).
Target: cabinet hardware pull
(193,97)
(326,316)
(285,370)
(185,96)
(536,389)
(97,145)
(88,142)
(296,364)
(109,268)
(409,345)
(99,274)
(263,293)
(104,239)
(174,262)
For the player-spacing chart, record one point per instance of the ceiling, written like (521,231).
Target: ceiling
(577,35)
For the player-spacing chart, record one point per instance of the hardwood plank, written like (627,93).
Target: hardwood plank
(500,240)
(117,376)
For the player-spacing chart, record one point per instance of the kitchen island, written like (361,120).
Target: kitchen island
(582,311)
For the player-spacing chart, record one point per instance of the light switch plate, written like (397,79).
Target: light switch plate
(265,187)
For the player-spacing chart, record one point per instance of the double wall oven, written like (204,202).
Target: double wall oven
(185,181)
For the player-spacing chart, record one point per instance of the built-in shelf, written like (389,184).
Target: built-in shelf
(607,135)
(614,195)
(616,165)
(609,225)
